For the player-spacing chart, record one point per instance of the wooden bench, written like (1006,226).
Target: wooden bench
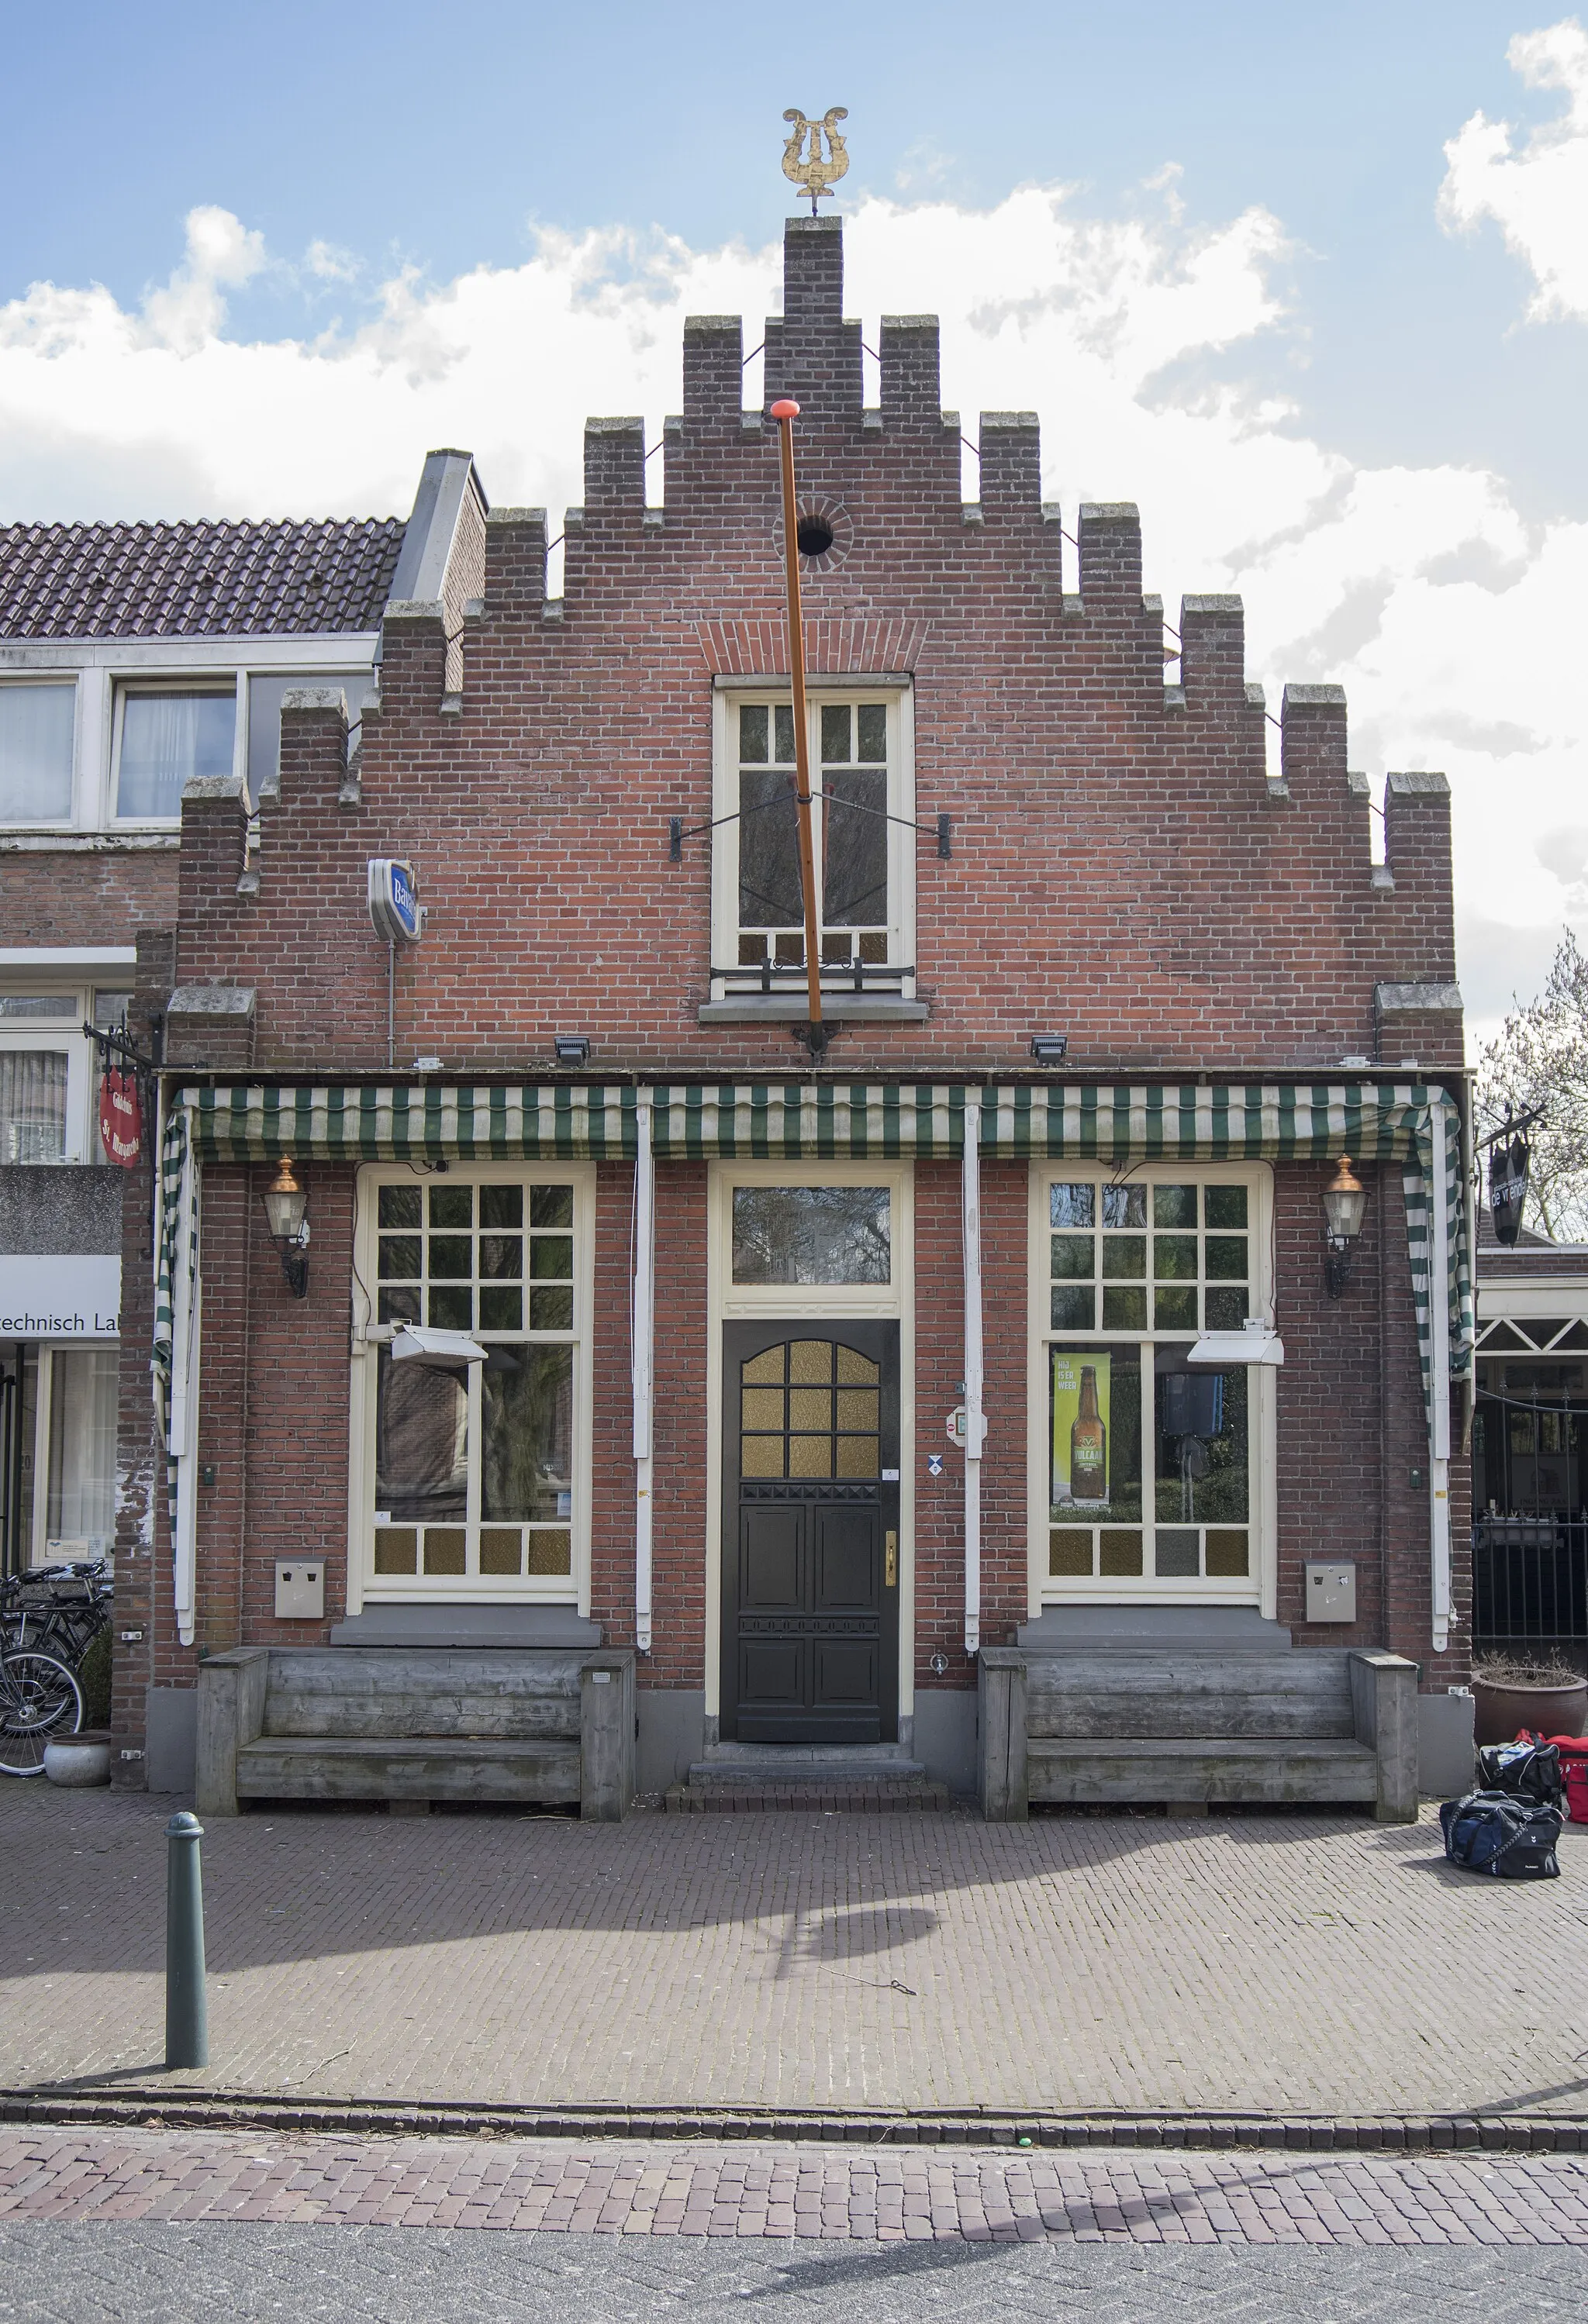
(1118,1725)
(417,1725)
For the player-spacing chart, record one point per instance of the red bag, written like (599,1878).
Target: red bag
(1573,1773)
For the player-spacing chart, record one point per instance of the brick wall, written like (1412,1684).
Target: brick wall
(103,893)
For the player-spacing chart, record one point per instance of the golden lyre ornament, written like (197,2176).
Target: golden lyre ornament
(815,173)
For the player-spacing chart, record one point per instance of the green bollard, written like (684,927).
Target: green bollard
(186,2019)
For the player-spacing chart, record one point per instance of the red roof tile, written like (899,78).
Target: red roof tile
(195,580)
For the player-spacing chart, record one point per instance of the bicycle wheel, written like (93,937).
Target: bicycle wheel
(39,1698)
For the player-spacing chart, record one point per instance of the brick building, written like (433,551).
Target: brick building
(133,657)
(580,1101)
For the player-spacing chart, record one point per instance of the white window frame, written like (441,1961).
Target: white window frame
(101,670)
(364,1586)
(40,1549)
(61,1033)
(9,678)
(126,688)
(900,700)
(1259,1585)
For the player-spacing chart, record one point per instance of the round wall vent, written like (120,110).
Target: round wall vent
(824,531)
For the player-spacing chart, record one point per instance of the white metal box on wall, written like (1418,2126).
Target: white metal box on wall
(1331,1593)
(300,1590)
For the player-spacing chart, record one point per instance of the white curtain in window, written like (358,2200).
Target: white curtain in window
(167,740)
(32,1105)
(35,753)
(81,1506)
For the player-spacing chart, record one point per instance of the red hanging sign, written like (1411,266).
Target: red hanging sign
(121,1118)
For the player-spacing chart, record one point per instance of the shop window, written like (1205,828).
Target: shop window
(477,1467)
(37,722)
(1150,1459)
(76,1515)
(167,737)
(865,859)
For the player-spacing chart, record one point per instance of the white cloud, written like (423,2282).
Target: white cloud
(1535,189)
(1454,625)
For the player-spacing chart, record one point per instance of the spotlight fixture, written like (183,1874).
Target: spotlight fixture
(1346,1198)
(1049,1048)
(571,1048)
(286,1208)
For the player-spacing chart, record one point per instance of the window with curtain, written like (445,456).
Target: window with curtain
(80,1505)
(32,1105)
(36,725)
(167,740)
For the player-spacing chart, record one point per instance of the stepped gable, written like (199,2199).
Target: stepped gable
(198,580)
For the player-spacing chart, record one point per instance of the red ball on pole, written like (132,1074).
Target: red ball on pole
(786,409)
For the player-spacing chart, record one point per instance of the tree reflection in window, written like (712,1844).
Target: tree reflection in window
(812,1234)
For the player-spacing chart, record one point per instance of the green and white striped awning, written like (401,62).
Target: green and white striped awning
(799,1122)
(803,1121)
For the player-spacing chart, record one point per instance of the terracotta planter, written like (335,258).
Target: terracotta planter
(1501,1711)
(78,1761)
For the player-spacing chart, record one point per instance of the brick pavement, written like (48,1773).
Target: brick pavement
(901,2195)
(1282,1965)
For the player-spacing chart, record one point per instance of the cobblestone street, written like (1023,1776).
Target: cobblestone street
(1311,1965)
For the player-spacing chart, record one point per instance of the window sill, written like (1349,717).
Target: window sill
(37,842)
(794,1009)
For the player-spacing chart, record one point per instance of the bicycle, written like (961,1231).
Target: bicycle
(39,1698)
(57,1610)
(48,1618)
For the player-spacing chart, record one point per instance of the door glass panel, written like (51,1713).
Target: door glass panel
(526,1431)
(422,1440)
(812,1234)
(810,1360)
(856,1370)
(829,1434)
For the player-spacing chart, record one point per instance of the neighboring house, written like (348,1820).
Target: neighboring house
(135,659)
(713,1323)
(1529,1488)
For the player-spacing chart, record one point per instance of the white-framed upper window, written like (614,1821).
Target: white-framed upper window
(1150,1477)
(863,798)
(38,749)
(166,737)
(475,1476)
(49,1073)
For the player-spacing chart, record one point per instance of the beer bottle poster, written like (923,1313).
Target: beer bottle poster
(1081,1438)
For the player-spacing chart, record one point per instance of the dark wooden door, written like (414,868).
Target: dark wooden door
(810,1533)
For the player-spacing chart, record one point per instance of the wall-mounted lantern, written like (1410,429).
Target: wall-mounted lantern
(286,1207)
(1346,1198)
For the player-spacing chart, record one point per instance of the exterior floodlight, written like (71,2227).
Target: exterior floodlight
(1346,1198)
(417,1343)
(1050,1049)
(571,1048)
(286,1210)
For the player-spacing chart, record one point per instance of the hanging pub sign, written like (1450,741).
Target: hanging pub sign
(121,1118)
(394,907)
(1507,1186)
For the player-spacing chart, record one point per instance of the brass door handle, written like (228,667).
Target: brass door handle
(890,1559)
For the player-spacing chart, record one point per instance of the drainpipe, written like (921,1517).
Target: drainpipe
(975,1428)
(1439,1368)
(643,1345)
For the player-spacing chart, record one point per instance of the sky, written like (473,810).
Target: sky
(1310,286)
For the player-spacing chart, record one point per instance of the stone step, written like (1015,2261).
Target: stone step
(408,1767)
(759,1795)
(776,1763)
(1283,1769)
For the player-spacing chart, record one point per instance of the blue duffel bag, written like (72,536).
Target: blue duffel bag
(1497,1833)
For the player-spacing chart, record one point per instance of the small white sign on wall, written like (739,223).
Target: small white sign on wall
(51,1296)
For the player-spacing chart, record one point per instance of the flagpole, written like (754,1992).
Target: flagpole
(785,413)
